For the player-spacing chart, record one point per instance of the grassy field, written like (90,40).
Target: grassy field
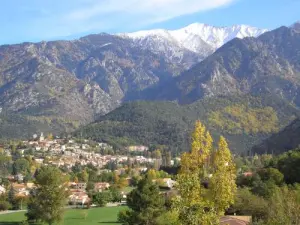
(99,216)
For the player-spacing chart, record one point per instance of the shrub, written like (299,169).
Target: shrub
(4,205)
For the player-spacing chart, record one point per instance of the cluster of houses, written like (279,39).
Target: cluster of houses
(77,191)
(21,190)
(68,153)
(57,145)
(70,158)
(78,194)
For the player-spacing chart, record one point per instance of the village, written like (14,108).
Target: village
(69,153)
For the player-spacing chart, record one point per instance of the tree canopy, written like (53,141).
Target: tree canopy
(206,181)
(47,202)
(145,204)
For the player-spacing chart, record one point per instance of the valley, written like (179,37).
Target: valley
(131,113)
(61,86)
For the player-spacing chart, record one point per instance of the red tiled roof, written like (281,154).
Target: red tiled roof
(18,186)
(235,220)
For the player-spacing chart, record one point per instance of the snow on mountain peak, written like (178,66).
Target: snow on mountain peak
(194,36)
(217,36)
(146,33)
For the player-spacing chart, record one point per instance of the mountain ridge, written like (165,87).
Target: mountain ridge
(267,64)
(196,38)
(212,35)
(92,74)
(81,80)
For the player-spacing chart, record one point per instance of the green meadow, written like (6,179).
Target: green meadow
(94,216)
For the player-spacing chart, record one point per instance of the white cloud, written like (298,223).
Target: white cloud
(158,10)
(74,17)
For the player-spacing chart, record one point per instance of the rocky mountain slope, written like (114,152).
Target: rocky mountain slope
(76,80)
(198,38)
(267,64)
(73,82)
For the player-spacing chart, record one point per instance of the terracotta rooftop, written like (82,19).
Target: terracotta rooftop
(235,220)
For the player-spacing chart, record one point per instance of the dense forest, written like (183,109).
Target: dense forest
(286,139)
(22,126)
(243,120)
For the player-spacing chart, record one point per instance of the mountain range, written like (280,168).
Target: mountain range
(198,38)
(73,82)
(63,85)
(268,64)
(264,66)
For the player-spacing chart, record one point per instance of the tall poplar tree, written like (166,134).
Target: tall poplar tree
(206,181)
(192,205)
(201,147)
(223,182)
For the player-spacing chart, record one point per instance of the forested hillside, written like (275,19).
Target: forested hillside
(287,139)
(15,125)
(244,120)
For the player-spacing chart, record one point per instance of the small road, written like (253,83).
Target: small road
(67,207)
(11,211)
(25,210)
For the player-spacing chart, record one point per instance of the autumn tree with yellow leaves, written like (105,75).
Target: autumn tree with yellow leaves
(206,181)
(222,183)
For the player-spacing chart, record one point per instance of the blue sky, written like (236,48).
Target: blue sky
(36,20)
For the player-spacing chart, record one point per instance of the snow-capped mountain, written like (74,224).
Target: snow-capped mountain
(198,38)
(164,43)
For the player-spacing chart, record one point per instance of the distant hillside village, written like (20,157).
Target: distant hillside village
(74,156)
(68,152)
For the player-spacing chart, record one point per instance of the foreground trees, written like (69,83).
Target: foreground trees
(102,198)
(205,184)
(206,181)
(223,181)
(47,202)
(284,207)
(145,203)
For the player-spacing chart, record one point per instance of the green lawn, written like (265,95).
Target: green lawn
(12,218)
(95,216)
